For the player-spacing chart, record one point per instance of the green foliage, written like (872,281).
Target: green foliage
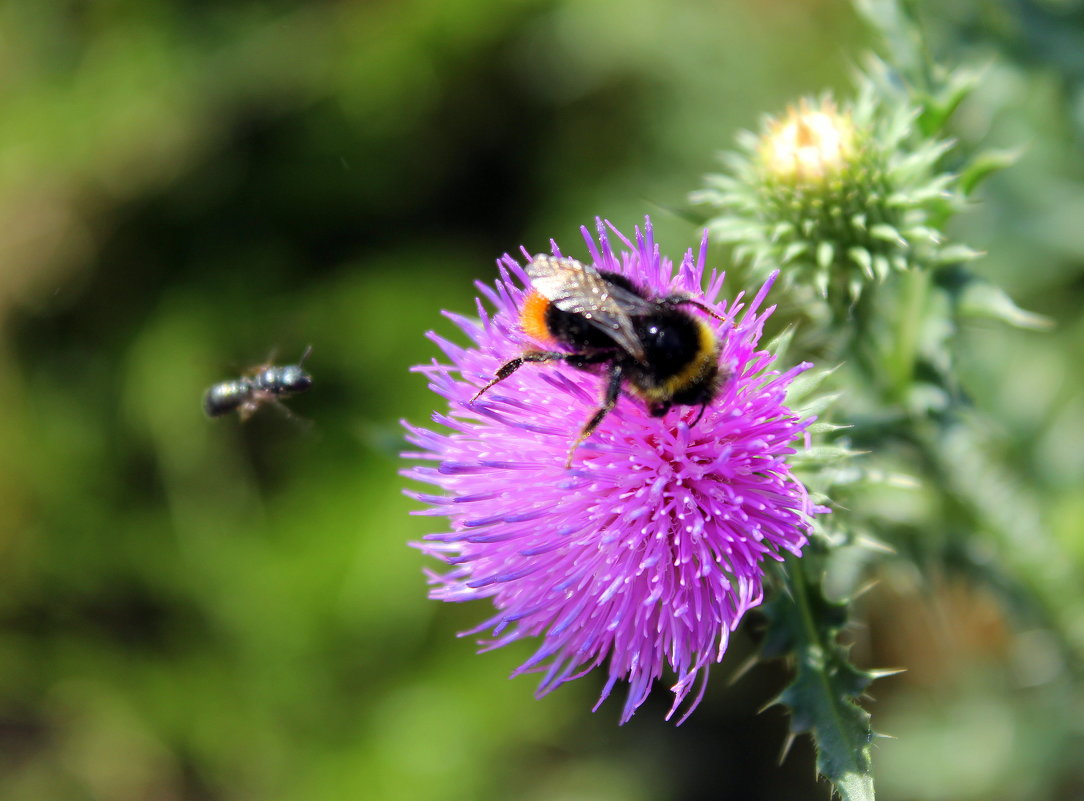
(200,609)
(203,610)
(823,697)
(857,207)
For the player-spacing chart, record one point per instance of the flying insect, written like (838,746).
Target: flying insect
(601,322)
(266,383)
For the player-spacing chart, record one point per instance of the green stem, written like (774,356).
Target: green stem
(902,350)
(796,572)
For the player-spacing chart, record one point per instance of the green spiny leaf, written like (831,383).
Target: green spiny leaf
(957,253)
(780,343)
(823,427)
(805,627)
(954,89)
(974,296)
(983,166)
(815,406)
(805,384)
(984,299)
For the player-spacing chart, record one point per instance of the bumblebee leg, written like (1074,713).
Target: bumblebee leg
(530,356)
(609,400)
(301,422)
(247,409)
(699,414)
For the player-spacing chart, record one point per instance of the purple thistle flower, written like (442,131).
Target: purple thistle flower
(649,550)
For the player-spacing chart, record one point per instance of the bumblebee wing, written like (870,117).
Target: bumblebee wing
(578,288)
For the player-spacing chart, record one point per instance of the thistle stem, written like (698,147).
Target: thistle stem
(902,349)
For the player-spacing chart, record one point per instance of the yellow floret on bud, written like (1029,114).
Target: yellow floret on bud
(809,144)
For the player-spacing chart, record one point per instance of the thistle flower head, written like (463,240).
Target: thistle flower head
(649,550)
(835,199)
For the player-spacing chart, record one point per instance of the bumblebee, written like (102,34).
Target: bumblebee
(266,383)
(601,322)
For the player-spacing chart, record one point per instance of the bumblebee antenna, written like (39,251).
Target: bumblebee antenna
(680,299)
(704,308)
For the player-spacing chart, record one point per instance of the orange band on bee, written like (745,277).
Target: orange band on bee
(532,317)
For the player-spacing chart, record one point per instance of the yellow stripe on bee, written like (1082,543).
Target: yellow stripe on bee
(707,352)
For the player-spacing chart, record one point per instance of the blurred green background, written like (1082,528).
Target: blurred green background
(196,610)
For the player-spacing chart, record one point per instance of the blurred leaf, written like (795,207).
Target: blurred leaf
(896,23)
(950,90)
(985,164)
(976,297)
(779,345)
(821,454)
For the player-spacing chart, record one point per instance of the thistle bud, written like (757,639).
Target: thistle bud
(837,199)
